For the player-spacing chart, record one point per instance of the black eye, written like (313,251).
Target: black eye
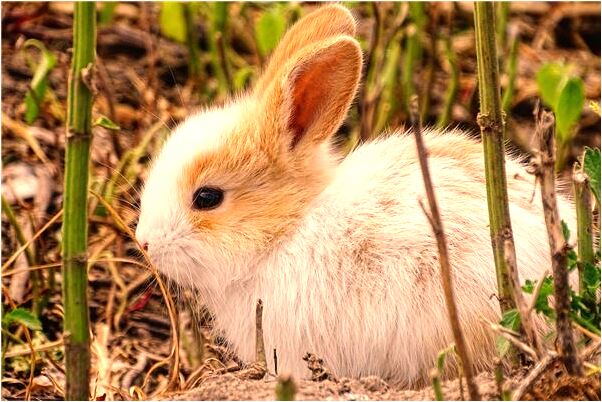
(207,198)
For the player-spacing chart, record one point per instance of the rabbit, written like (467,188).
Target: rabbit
(250,200)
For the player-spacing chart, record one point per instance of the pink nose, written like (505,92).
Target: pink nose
(144,246)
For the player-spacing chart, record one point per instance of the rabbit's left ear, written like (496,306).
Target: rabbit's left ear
(309,99)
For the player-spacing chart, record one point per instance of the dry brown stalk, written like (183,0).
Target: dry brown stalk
(446,273)
(259,344)
(544,171)
(513,338)
(258,369)
(533,376)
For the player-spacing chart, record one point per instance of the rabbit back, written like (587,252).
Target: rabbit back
(362,278)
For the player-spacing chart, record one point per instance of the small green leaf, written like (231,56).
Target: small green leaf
(269,29)
(172,21)
(22,316)
(104,121)
(547,289)
(550,80)
(565,231)
(568,109)
(220,15)
(106,12)
(571,259)
(591,276)
(39,82)
(242,77)
(591,166)
(511,320)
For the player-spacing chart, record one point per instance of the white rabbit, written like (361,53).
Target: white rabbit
(250,201)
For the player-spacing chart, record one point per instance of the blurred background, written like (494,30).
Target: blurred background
(158,62)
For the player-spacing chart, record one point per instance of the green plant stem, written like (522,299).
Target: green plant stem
(503,9)
(217,32)
(75,225)
(511,70)
(492,132)
(413,51)
(452,89)
(436,383)
(583,205)
(194,60)
(286,388)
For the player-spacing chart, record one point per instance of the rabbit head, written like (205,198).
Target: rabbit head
(231,180)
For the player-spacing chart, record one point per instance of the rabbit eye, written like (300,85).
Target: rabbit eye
(207,198)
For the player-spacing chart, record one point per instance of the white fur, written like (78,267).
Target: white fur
(358,283)
(340,253)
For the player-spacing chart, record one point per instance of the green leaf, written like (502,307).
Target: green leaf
(22,316)
(104,121)
(591,165)
(172,21)
(511,320)
(571,259)
(242,77)
(566,233)
(220,16)
(591,276)
(547,289)
(568,109)
(550,80)
(106,12)
(269,29)
(39,82)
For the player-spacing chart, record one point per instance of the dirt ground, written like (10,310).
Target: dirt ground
(144,87)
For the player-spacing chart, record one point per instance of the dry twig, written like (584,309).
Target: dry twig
(446,273)
(533,376)
(544,171)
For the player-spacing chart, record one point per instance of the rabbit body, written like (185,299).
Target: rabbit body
(358,281)
(340,252)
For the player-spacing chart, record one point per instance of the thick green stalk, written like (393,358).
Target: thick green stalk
(491,122)
(75,225)
(585,243)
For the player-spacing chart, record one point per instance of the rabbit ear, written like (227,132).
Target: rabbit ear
(310,98)
(326,22)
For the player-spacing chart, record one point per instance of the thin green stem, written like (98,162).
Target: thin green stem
(492,133)
(452,89)
(194,60)
(75,225)
(413,51)
(583,205)
(511,69)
